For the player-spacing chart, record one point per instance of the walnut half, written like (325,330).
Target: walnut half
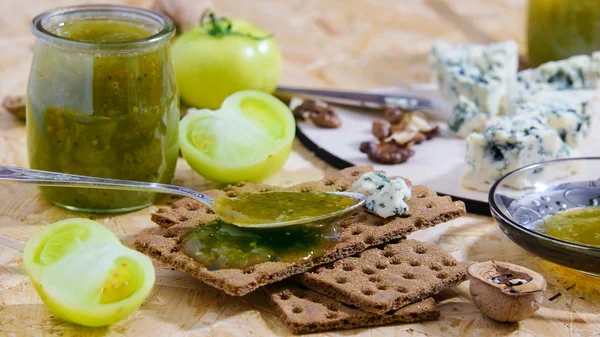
(318,112)
(15,105)
(386,152)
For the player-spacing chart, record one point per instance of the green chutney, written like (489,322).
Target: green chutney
(578,225)
(102,102)
(270,207)
(220,245)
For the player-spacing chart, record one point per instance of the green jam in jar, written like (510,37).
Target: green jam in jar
(557,29)
(102,101)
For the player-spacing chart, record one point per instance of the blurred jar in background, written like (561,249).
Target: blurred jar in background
(558,29)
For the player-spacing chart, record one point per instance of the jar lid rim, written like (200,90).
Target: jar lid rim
(164,34)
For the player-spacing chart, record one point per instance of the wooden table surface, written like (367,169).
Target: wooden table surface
(350,44)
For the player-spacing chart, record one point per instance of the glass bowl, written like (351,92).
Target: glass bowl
(524,196)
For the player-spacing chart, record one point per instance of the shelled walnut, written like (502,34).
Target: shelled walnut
(320,113)
(15,105)
(396,134)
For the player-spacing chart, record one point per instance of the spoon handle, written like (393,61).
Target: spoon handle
(46,178)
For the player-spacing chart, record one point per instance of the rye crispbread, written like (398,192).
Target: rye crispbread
(387,277)
(360,230)
(306,311)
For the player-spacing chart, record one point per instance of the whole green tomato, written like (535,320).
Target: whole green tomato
(222,56)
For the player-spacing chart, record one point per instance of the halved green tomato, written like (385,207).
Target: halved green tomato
(248,139)
(85,275)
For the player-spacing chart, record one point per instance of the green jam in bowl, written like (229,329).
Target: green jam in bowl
(102,101)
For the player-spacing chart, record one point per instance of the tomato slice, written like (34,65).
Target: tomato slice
(248,139)
(85,275)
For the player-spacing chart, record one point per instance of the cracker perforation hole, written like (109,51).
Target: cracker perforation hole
(381,286)
(306,189)
(182,218)
(402,290)
(296,309)
(329,182)
(380,265)
(370,239)
(442,275)
(396,261)
(448,263)
(408,276)
(341,280)
(414,263)
(374,279)
(388,253)
(368,292)
(285,295)
(348,267)
(368,271)
(429,206)
(342,188)
(420,250)
(355,174)
(356,231)
(435,267)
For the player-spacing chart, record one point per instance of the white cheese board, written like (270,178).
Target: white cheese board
(438,163)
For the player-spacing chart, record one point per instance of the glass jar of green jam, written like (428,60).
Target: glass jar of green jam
(557,29)
(102,101)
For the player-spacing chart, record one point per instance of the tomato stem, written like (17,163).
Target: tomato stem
(220,27)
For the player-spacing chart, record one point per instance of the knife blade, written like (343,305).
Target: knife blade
(369,100)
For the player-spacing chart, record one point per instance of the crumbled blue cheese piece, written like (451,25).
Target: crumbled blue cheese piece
(385,197)
(369,183)
(507,144)
(484,74)
(576,72)
(466,118)
(566,114)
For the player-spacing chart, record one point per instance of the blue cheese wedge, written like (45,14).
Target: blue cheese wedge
(507,144)
(567,113)
(484,74)
(385,197)
(576,72)
(466,118)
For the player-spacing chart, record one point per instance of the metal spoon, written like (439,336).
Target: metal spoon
(46,178)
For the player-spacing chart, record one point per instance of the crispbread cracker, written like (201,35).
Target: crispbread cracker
(306,311)
(387,277)
(360,230)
